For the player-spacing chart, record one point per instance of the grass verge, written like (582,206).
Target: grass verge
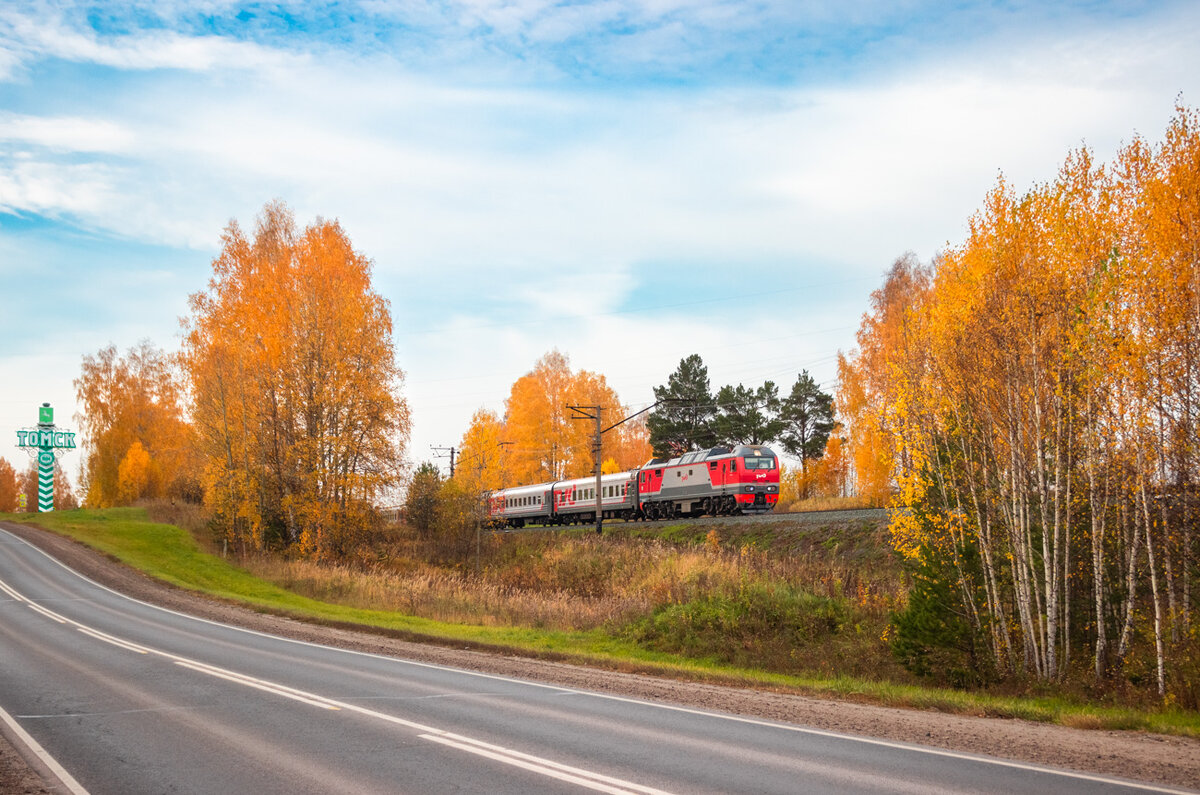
(172,555)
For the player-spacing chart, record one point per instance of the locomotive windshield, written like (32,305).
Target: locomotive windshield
(763,462)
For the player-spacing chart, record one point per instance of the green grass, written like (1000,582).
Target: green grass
(172,555)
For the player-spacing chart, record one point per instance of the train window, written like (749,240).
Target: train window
(713,465)
(733,466)
(763,462)
(658,472)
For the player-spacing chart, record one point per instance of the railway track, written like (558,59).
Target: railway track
(805,517)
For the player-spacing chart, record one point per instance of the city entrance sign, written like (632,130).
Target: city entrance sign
(41,442)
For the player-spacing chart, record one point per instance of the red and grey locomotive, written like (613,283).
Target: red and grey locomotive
(716,482)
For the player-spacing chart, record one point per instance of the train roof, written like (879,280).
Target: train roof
(615,477)
(738,451)
(539,488)
(743,450)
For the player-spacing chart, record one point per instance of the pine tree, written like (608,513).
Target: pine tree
(684,422)
(807,420)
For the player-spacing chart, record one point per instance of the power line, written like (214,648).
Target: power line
(440,452)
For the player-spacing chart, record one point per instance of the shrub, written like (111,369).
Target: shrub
(762,621)
(932,637)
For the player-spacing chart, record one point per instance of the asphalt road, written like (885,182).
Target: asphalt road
(130,698)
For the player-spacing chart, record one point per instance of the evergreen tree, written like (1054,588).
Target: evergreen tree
(748,416)
(685,422)
(421,507)
(807,420)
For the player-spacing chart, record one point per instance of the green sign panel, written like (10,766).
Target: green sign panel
(46,439)
(43,441)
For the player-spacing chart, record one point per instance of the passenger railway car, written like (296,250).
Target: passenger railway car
(720,481)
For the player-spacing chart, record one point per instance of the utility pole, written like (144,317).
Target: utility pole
(503,467)
(481,504)
(582,413)
(593,413)
(440,451)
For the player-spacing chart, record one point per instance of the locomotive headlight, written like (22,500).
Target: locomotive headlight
(749,488)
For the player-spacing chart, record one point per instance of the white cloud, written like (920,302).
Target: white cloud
(45,31)
(33,186)
(66,133)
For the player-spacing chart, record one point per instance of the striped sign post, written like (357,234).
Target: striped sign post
(42,441)
(45,480)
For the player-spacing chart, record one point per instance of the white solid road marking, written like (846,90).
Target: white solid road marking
(43,756)
(50,614)
(250,681)
(536,764)
(98,635)
(1149,787)
(573,775)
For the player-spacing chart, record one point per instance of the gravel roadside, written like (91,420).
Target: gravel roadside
(1136,755)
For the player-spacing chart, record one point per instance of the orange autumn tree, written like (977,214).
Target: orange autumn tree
(868,379)
(8,487)
(1038,394)
(538,440)
(133,475)
(127,401)
(295,387)
(537,421)
(483,463)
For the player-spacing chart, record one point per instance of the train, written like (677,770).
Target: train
(719,481)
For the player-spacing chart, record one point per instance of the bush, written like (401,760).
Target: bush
(421,506)
(762,621)
(455,525)
(933,638)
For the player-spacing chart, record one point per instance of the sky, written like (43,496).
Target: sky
(626,181)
